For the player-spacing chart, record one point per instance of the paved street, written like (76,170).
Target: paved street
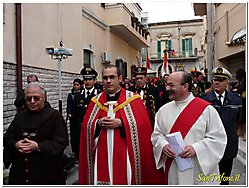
(72,175)
(239,169)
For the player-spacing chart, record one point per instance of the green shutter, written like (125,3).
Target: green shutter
(159,49)
(190,47)
(183,47)
(170,47)
(144,51)
(169,44)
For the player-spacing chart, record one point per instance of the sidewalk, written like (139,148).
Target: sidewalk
(242,151)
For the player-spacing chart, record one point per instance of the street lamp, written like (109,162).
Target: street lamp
(59,54)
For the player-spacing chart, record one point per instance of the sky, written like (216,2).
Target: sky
(168,11)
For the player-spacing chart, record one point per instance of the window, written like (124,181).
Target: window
(122,66)
(187,47)
(87,58)
(159,55)
(163,45)
(164,42)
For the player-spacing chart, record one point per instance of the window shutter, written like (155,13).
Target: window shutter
(159,49)
(169,44)
(183,47)
(170,47)
(190,47)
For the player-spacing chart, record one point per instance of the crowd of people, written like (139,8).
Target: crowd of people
(119,129)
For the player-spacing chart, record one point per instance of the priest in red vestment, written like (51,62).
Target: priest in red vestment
(115,146)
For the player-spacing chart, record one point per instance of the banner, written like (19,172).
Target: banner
(147,60)
(165,62)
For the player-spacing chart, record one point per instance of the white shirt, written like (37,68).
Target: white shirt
(222,98)
(90,90)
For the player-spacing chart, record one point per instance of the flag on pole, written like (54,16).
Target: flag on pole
(165,62)
(147,60)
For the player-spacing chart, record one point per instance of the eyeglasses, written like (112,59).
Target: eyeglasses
(35,98)
(112,77)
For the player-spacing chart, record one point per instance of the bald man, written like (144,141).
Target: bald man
(202,131)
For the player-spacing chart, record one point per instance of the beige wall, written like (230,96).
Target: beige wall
(236,21)
(9,43)
(44,24)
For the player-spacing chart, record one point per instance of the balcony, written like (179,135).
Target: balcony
(182,55)
(123,25)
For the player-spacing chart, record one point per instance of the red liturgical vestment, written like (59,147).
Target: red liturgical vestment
(113,158)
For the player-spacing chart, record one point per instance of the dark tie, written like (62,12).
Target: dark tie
(219,100)
(88,93)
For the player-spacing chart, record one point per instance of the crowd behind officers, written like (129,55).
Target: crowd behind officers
(148,93)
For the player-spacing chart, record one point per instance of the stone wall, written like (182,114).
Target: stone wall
(49,80)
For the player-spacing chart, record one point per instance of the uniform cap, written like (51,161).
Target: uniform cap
(220,72)
(140,71)
(88,72)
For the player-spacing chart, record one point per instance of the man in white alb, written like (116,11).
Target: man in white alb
(201,129)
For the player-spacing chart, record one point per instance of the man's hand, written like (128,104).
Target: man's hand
(27,146)
(188,151)
(168,151)
(110,123)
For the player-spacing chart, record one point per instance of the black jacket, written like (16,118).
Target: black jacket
(230,112)
(81,103)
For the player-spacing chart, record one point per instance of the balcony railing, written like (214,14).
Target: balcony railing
(177,55)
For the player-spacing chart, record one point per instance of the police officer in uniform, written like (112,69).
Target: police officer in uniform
(83,99)
(229,108)
(149,93)
(198,86)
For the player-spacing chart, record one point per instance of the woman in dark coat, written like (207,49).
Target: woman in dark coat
(35,141)
(77,88)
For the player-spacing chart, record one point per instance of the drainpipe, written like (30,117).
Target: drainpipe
(227,25)
(18,8)
(210,41)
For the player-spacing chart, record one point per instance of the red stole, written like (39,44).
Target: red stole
(188,117)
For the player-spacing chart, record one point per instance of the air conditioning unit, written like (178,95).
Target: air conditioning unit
(106,57)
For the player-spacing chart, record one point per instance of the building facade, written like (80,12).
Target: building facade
(228,33)
(98,33)
(183,41)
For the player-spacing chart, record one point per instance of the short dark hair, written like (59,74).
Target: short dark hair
(112,66)
(32,75)
(187,79)
(78,80)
